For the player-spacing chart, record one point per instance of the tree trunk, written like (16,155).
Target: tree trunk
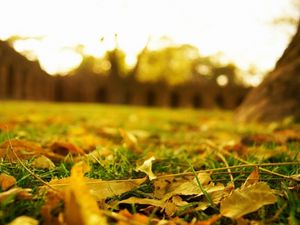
(278,96)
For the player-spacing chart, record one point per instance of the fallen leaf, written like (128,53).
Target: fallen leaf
(18,193)
(252,178)
(240,149)
(161,186)
(142,201)
(247,200)
(23,149)
(24,220)
(101,189)
(288,135)
(130,141)
(146,167)
(52,203)
(64,148)
(80,207)
(6,181)
(170,208)
(209,221)
(42,162)
(191,187)
(126,218)
(260,139)
(7,126)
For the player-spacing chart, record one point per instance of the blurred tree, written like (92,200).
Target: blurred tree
(172,64)
(278,96)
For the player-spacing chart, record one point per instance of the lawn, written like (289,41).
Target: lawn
(103,164)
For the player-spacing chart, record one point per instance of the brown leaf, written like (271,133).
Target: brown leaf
(6,181)
(260,139)
(80,207)
(23,149)
(64,148)
(288,135)
(252,178)
(240,149)
(247,200)
(209,221)
(132,219)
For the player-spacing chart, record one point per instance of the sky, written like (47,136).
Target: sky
(241,30)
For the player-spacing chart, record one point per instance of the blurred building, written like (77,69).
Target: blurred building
(21,79)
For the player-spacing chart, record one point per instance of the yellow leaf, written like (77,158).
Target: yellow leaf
(146,167)
(142,201)
(6,181)
(130,141)
(191,187)
(42,162)
(24,220)
(18,193)
(101,189)
(80,207)
(247,200)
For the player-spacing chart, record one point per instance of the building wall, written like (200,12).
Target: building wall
(22,79)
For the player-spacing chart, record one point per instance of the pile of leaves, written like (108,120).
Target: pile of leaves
(115,165)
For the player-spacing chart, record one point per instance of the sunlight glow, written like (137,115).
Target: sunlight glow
(240,29)
(222,80)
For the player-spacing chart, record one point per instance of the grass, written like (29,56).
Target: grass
(179,139)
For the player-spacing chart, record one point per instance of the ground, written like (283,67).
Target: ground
(97,164)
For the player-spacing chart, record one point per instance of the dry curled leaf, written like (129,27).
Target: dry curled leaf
(24,220)
(80,207)
(42,162)
(146,167)
(246,200)
(64,148)
(6,181)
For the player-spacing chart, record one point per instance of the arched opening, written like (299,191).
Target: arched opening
(174,100)
(58,90)
(128,98)
(150,98)
(10,82)
(239,101)
(219,99)
(102,95)
(197,101)
(22,80)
